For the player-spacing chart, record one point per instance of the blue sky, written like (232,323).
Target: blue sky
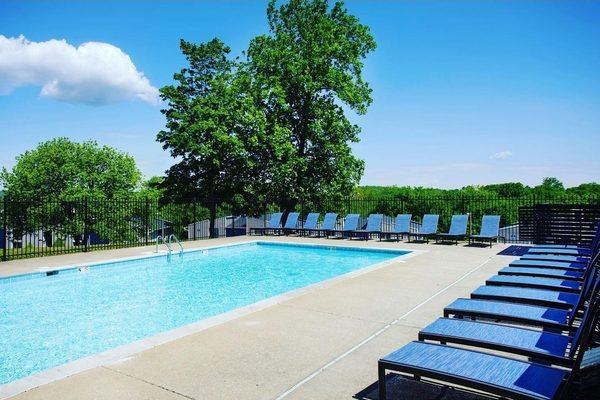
(464,93)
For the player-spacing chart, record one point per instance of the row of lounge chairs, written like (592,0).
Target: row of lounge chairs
(541,311)
(490,226)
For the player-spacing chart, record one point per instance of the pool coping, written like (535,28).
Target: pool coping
(126,351)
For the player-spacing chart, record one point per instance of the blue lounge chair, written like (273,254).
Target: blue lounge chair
(546,298)
(555,257)
(568,270)
(494,374)
(311,222)
(291,223)
(565,252)
(525,314)
(329,222)
(273,224)
(458,230)
(401,228)
(350,225)
(497,375)
(543,272)
(428,228)
(549,298)
(536,264)
(540,345)
(536,282)
(490,226)
(543,278)
(561,255)
(505,312)
(373,227)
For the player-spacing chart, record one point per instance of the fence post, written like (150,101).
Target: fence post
(5,228)
(146,220)
(85,225)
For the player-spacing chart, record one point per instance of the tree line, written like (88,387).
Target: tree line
(549,188)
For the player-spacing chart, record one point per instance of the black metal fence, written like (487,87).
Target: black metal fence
(445,206)
(31,229)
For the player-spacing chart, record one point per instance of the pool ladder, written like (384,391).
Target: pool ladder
(169,244)
(159,238)
(172,236)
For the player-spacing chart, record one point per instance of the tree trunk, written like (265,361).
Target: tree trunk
(48,238)
(213,216)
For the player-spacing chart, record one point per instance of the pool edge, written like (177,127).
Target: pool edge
(120,353)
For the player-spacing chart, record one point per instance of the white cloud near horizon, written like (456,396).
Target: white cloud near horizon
(501,155)
(93,73)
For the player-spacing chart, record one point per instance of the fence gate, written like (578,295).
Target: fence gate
(558,223)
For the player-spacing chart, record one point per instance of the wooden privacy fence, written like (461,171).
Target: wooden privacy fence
(558,223)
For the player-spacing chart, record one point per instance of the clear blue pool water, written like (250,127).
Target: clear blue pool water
(46,321)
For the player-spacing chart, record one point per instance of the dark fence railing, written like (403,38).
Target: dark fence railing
(559,223)
(509,209)
(31,229)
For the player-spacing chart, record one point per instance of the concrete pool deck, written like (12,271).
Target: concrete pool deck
(322,343)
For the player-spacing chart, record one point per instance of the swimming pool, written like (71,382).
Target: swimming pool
(49,319)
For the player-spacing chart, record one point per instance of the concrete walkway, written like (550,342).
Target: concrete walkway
(323,344)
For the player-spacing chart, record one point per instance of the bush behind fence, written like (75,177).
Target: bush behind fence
(30,229)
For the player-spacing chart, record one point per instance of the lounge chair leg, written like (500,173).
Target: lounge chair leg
(382,391)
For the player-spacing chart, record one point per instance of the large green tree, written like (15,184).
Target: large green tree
(61,187)
(210,123)
(306,74)
(61,169)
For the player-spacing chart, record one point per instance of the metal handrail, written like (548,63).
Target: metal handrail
(172,236)
(166,243)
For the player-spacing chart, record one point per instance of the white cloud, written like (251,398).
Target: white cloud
(501,155)
(93,73)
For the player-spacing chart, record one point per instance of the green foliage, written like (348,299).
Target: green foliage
(271,127)
(152,188)
(498,199)
(303,72)
(51,184)
(210,123)
(60,169)
(550,188)
(585,189)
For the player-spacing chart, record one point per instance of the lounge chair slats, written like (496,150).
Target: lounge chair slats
(428,228)
(350,224)
(542,272)
(553,257)
(273,224)
(535,282)
(566,252)
(457,231)
(547,298)
(291,223)
(549,264)
(401,228)
(490,228)
(528,342)
(329,222)
(512,312)
(312,221)
(373,227)
(561,246)
(494,374)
